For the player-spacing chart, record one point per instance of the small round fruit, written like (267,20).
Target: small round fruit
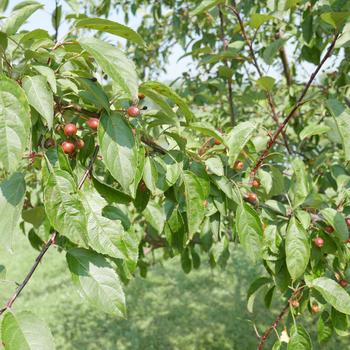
(93,123)
(329,229)
(141,95)
(217,142)
(70,129)
(239,165)
(133,111)
(143,187)
(49,143)
(256,183)
(315,308)
(294,303)
(252,197)
(347,220)
(68,147)
(343,283)
(319,242)
(79,143)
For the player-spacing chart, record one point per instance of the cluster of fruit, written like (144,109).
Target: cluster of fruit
(70,130)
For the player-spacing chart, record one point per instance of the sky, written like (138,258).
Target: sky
(174,69)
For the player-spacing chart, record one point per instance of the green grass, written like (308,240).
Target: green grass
(169,310)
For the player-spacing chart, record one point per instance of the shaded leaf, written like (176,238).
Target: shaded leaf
(24,331)
(97,281)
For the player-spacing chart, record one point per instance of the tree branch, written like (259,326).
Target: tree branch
(48,244)
(294,109)
(229,80)
(269,97)
(296,295)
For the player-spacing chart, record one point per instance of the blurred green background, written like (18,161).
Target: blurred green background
(169,310)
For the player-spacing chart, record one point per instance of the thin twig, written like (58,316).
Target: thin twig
(269,97)
(296,295)
(294,109)
(48,244)
(229,79)
(89,168)
(29,275)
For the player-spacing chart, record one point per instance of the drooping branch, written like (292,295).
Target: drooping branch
(295,296)
(48,244)
(269,97)
(297,105)
(229,79)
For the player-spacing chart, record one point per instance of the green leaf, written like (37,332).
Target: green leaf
(340,323)
(155,216)
(34,216)
(215,166)
(335,19)
(63,206)
(110,194)
(300,339)
(3,42)
(271,51)
(253,290)
(97,281)
(301,186)
(24,331)
(169,116)
(39,97)
(18,17)
(333,293)
(49,74)
(150,175)
(118,149)
(250,231)
(14,123)
(105,25)
(341,117)
(297,249)
(266,83)
(324,328)
(344,39)
(107,236)
(207,129)
(205,5)
(114,63)
(167,92)
(313,129)
(12,192)
(238,138)
(94,93)
(257,19)
(195,196)
(337,221)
